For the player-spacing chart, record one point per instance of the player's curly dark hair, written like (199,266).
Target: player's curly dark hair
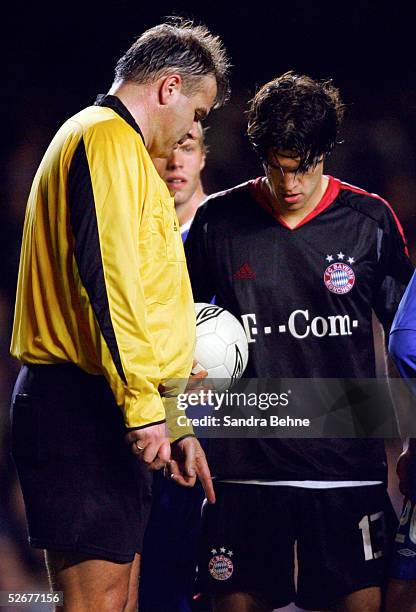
(295,113)
(177,45)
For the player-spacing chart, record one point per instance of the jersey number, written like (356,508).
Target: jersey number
(364,525)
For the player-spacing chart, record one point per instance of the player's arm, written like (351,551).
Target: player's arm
(402,344)
(105,194)
(394,269)
(198,257)
(406,467)
(402,348)
(394,272)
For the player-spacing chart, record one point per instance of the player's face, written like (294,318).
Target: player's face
(181,170)
(182,112)
(291,189)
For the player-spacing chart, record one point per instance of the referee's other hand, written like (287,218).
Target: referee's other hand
(150,445)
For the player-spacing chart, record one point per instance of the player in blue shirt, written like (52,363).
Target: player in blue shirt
(170,544)
(402,588)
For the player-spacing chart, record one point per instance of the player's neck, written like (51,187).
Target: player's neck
(293,216)
(187,210)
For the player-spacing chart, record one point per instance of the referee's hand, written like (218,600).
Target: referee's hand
(150,445)
(189,461)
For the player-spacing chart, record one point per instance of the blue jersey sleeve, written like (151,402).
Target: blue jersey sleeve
(402,345)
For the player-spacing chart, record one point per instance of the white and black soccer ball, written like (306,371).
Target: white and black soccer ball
(221,345)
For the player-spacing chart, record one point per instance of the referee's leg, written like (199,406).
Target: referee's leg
(87,498)
(93,584)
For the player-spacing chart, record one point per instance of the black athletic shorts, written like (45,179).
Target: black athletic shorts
(84,490)
(344,538)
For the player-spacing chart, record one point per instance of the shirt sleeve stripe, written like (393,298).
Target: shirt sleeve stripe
(87,249)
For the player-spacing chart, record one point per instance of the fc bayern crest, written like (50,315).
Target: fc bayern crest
(339,278)
(220,566)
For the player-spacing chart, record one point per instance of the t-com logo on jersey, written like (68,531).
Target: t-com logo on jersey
(339,277)
(301,324)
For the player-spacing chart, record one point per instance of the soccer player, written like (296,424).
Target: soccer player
(174,551)
(104,318)
(302,259)
(181,171)
(401,594)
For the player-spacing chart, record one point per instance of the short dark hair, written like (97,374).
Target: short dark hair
(177,45)
(295,113)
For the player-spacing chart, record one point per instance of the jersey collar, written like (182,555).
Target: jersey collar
(117,105)
(331,193)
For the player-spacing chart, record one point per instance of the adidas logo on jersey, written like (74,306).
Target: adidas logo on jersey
(245,272)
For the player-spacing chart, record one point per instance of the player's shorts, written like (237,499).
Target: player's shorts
(84,490)
(404,554)
(344,539)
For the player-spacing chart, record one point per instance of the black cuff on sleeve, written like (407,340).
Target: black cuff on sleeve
(129,429)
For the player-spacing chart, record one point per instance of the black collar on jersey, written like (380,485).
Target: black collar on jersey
(117,105)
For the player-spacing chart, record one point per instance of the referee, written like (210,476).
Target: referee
(104,319)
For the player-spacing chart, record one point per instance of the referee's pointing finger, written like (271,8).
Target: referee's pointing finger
(205,477)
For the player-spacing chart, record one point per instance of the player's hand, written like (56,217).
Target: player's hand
(197,375)
(150,445)
(402,469)
(188,462)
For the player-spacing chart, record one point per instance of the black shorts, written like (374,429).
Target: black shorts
(84,490)
(344,538)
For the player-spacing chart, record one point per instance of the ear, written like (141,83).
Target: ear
(169,88)
(273,154)
(202,164)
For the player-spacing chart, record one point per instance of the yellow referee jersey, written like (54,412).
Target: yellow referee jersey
(102,280)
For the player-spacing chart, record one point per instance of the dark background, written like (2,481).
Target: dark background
(57,57)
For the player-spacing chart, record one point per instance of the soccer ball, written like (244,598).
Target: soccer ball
(221,345)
